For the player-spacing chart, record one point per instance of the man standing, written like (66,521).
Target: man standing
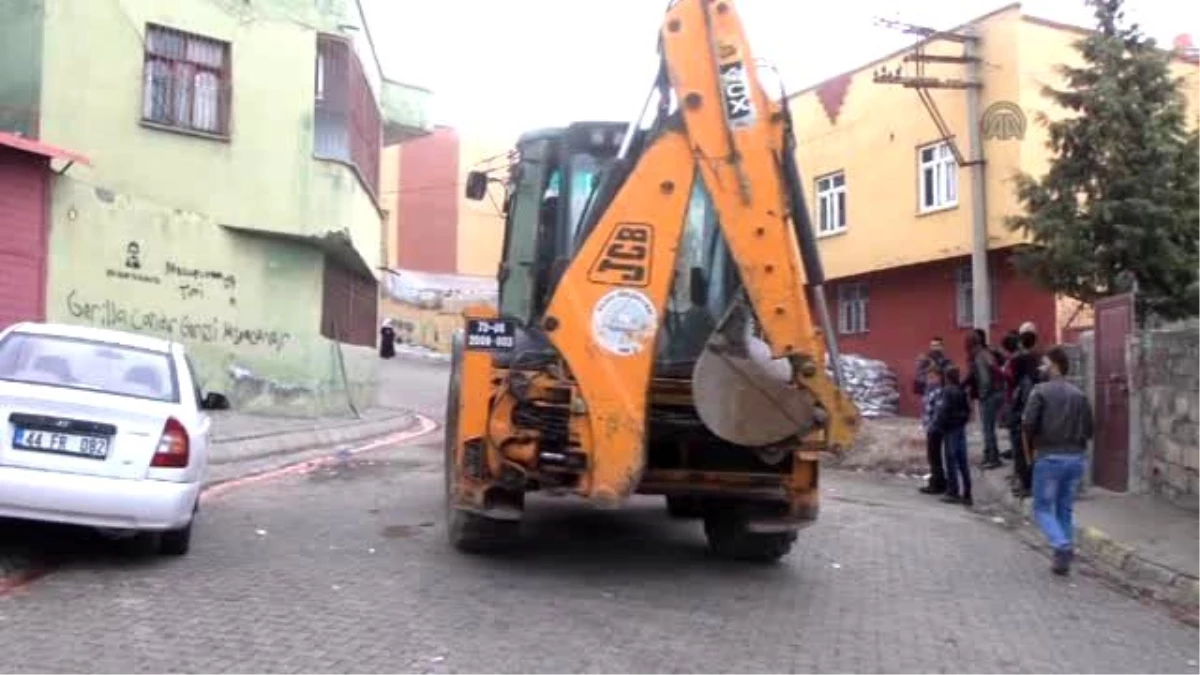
(934,439)
(1057,425)
(1024,371)
(935,358)
(985,384)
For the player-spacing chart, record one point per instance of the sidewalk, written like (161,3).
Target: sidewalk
(1147,545)
(245,444)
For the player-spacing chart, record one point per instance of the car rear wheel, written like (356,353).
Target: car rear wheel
(175,542)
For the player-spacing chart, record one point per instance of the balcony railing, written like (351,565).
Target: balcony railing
(347,125)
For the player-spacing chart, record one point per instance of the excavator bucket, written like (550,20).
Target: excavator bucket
(743,395)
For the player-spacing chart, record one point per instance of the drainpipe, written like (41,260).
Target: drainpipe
(980,280)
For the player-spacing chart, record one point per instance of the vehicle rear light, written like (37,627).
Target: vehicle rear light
(173,450)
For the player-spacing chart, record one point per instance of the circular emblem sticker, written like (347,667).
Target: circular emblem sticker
(624,322)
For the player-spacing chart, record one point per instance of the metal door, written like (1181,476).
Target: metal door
(22,237)
(1114,323)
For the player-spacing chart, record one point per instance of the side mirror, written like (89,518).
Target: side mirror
(477,185)
(214,401)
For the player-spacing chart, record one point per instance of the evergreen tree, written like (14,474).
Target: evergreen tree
(1120,201)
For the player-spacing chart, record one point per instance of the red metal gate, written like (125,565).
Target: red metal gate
(1114,323)
(23,208)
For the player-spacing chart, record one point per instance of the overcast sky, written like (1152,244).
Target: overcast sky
(508,65)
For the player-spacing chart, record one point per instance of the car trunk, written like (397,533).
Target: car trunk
(55,419)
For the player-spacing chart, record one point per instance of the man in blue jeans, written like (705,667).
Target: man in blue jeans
(1057,426)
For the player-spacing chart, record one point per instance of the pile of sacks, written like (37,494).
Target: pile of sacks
(872,385)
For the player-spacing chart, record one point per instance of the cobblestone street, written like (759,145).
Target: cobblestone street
(345,568)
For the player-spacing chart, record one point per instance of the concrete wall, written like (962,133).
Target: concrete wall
(247,306)
(20,65)
(1166,396)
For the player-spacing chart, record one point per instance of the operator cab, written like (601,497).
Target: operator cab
(551,203)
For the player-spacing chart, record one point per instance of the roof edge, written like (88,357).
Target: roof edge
(36,147)
(893,54)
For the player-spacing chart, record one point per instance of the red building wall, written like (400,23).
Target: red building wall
(24,213)
(427,227)
(909,305)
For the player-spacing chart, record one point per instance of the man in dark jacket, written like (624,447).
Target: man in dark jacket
(985,384)
(1058,425)
(1023,369)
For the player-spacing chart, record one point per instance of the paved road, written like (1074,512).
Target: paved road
(345,569)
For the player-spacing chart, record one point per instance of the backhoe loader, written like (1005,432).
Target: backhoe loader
(655,330)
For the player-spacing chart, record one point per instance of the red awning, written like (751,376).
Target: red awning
(38,148)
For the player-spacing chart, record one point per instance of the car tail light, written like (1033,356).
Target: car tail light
(173,450)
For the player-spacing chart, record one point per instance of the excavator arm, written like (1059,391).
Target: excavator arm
(605,313)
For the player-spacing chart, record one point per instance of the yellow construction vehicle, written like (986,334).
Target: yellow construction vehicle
(655,331)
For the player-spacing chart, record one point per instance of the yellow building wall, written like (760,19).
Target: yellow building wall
(389,201)
(480,223)
(875,141)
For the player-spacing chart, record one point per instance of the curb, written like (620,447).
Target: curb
(259,446)
(1119,562)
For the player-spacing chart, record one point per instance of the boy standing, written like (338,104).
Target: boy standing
(952,416)
(1057,425)
(933,436)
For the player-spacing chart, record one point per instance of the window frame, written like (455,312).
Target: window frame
(964,294)
(224,89)
(944,168)
(829,206)
(856,293)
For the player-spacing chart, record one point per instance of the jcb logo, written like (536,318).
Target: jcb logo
(625,259)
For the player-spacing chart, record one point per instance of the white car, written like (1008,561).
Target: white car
(103,429)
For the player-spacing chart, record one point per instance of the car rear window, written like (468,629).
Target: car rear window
(88,364)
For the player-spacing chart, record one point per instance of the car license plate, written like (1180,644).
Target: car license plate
(95,447)
(498,334)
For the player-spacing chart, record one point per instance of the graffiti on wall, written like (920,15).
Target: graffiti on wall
(132,270)
(187,284)
(108,313)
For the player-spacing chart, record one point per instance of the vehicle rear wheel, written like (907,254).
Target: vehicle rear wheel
(176,542)
(729,536)
(684,506)
(468,532)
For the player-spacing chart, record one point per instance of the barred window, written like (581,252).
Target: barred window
(186,81)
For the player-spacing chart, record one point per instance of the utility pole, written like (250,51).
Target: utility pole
(980,278)
(922,83)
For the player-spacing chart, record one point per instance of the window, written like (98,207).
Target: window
(939,177)
(964,293)
(349,305)
(852,308)
(186,81)
(88,365)
(831,203)
(348,127)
